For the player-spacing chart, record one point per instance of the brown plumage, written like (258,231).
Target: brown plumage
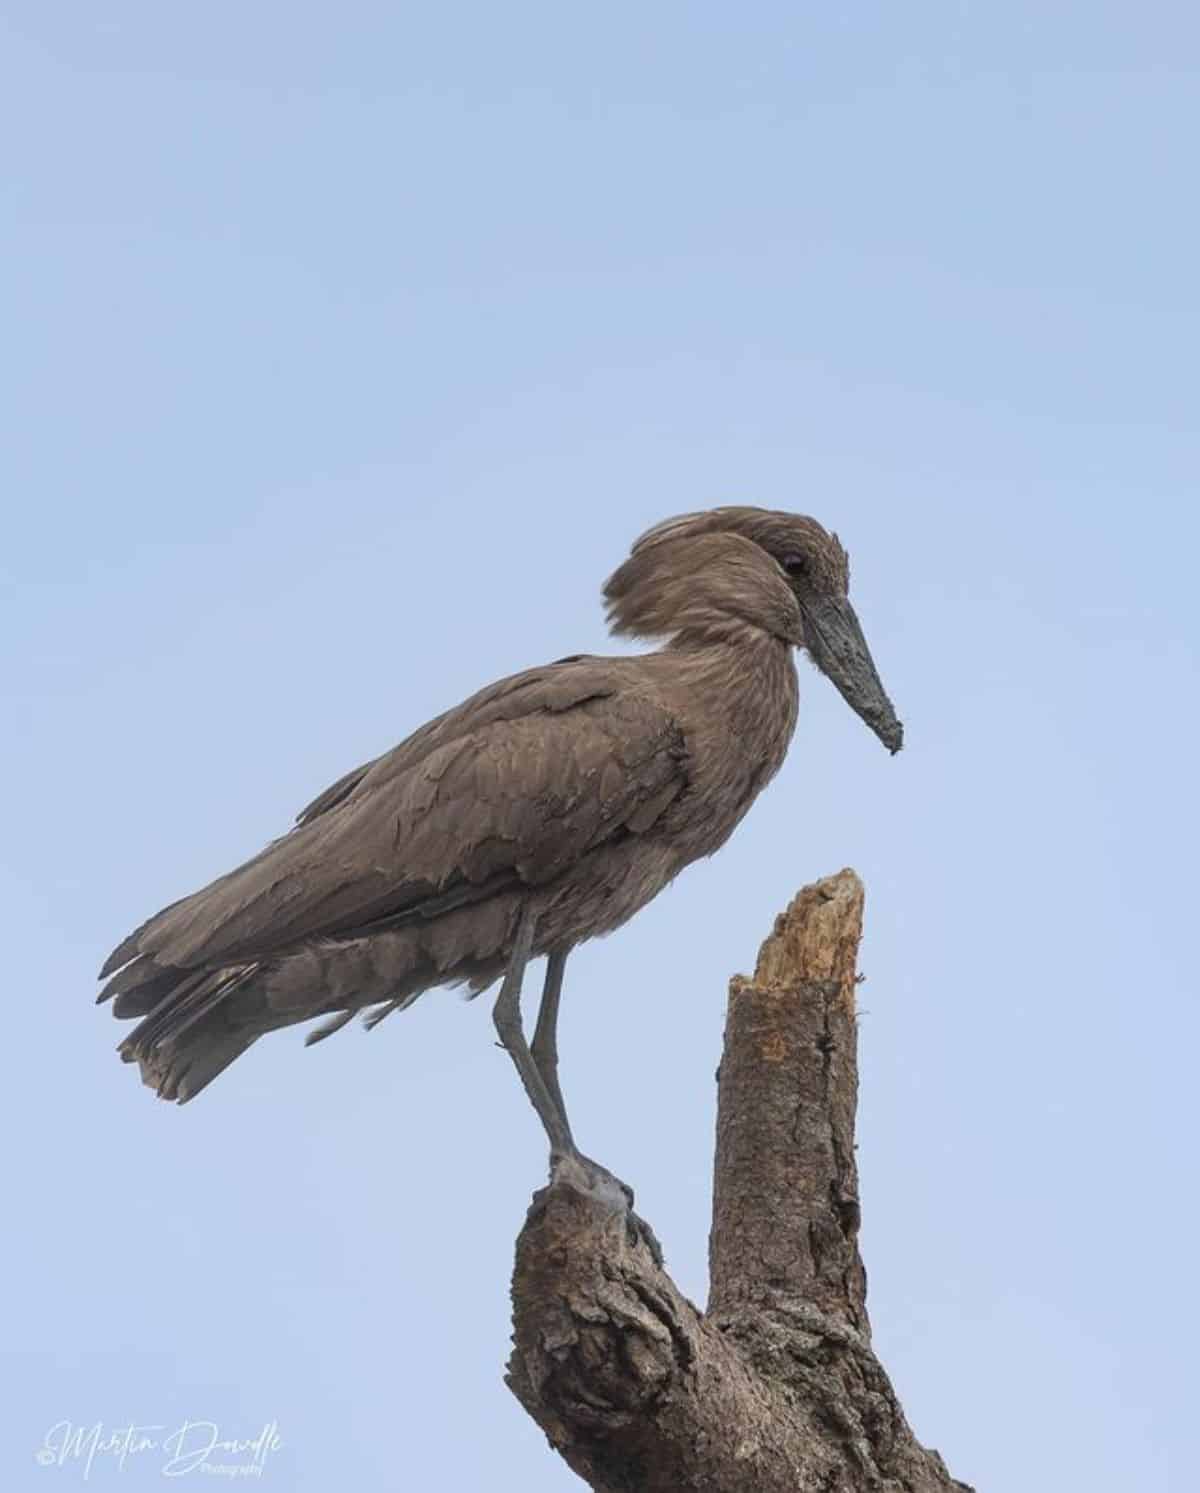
(543,811)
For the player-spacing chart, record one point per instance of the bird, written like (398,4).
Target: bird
(545,810)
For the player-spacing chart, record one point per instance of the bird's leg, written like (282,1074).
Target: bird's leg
(507,1016)
(539,1073)
(544,1046)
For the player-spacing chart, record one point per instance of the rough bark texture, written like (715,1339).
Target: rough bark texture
(775,1388)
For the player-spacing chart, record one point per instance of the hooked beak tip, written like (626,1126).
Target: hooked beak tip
(835,642)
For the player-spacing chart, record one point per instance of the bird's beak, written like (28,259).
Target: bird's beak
(834,638)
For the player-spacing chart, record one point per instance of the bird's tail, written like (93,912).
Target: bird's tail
(194,1023)
(178,1071)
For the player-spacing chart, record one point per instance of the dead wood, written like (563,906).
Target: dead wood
(775,1388)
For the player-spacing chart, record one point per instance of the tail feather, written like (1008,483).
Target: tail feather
(191,1033)
(178,1073)
(213,992)
(190,988)
(194,1021)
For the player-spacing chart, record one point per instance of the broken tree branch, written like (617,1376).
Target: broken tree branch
(775,1389)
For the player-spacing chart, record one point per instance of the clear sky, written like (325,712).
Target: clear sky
(346,349)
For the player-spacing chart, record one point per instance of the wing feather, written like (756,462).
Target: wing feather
(510,789)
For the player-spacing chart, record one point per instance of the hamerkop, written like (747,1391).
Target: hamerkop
(545,810)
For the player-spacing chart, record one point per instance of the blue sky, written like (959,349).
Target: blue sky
(346,352)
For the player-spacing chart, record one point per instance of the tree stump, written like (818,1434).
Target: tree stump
(775,1388)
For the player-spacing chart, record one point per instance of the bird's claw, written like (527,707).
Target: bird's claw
(581,1171)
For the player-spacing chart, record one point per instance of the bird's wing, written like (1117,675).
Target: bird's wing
(551,689)
(336,793)
(510,798)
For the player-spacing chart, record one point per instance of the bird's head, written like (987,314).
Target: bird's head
(779,571)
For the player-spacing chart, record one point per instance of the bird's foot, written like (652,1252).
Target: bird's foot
(580,1171)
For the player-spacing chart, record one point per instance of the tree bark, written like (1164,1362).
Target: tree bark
(775,1388)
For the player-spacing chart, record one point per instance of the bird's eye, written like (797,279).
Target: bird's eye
(796,564)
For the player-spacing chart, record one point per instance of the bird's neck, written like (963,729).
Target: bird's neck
(743,691)
(737,656)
